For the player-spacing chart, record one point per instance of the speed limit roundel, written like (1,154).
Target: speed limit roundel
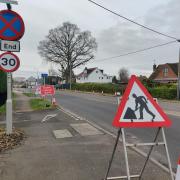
(9,62)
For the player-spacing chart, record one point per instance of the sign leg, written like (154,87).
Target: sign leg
(167,153)
(125,154)
(148,156)
(114,150)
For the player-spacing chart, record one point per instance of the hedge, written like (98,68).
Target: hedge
(3,88)
(168,91)
(164,92)
(3,82)
(97,87)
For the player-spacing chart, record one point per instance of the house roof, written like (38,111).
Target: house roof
(173,66)
(89,71)
(31,79)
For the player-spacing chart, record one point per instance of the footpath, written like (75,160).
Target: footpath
(58,146)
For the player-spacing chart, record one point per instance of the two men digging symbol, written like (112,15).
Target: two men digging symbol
(141,104)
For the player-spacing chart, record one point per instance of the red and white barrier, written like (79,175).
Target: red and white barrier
(178,171)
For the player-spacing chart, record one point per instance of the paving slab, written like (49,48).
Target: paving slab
(64,133)
(85,129)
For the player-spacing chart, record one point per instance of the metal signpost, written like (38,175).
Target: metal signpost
(11,30)
(151,115)
(9,62)
(44,76)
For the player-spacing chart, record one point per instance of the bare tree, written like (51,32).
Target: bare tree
(123,75)
(67,46)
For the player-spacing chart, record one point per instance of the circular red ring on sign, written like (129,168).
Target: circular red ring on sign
(17,60)
(18,34)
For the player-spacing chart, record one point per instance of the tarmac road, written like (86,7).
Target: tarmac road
(101,110)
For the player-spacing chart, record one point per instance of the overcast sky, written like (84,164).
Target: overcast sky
(114,35)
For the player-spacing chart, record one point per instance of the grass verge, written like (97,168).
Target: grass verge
(2,109)
(40,104)
(29,94)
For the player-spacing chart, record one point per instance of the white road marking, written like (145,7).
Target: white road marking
(49,116)
(71,114)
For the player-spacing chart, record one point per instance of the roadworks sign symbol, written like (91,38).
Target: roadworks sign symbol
(138,109)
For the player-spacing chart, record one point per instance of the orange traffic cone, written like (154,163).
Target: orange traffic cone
(54,101)
(178,171)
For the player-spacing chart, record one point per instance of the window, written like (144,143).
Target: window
(165,72)
(107,78)
(102,77)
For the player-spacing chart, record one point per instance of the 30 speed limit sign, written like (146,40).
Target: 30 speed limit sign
(9,62)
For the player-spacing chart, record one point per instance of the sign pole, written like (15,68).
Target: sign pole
(167,154)
(11,30)
(9,104)
(112,156)
(125,154)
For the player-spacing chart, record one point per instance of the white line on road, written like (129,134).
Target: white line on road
(50,116)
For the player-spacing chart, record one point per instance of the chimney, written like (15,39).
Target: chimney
(154,67)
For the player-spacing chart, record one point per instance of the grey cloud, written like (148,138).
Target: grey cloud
(125,37)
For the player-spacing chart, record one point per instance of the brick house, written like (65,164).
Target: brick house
(165,73)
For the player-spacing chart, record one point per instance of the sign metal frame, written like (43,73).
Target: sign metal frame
(128,176)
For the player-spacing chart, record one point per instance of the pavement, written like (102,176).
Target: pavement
(58,146)
(22,102)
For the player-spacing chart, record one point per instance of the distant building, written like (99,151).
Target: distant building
(19,79)
(165,73)
(19,82)
(31,82)
(53,80)
(94,75)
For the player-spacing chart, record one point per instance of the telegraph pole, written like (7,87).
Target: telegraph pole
(178,81)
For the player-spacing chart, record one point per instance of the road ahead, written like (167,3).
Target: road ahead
(101,110)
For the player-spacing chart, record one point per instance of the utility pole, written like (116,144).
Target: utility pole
(178,81)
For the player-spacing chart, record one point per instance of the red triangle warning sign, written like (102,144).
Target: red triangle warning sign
(138,109)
